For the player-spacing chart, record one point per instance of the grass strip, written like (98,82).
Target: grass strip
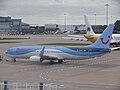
(6,42)
(13,38)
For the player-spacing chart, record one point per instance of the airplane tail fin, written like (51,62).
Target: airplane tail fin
(104,40)
(89,29)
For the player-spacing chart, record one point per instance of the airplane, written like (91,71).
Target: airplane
(59,53)
(91,36)
(84,37)
(75,37)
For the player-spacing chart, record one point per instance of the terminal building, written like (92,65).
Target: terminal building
(16,26)
(68,29)
(9,25)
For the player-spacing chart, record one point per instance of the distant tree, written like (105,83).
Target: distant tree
(117,26)
(104,27)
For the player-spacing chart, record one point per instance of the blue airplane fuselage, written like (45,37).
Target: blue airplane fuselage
(76,53)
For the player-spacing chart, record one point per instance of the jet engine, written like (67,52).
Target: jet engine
(34,58)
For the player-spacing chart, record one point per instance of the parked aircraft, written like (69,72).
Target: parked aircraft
(52,53)
(76,37)
(91,36)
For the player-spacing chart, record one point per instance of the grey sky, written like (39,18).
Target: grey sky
(52,11)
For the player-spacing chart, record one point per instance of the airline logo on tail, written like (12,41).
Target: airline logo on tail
(105,42)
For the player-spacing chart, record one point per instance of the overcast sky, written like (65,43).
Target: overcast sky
(52,11)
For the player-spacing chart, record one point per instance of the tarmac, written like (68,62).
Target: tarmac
(101,73)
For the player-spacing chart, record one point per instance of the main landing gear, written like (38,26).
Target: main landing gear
(51,62)
(59,62)
(14,59)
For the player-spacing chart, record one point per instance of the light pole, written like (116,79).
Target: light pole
(111,19)
(107,5)
(65,20)
(95,22)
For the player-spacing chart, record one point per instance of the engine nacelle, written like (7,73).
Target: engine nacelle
(34,58)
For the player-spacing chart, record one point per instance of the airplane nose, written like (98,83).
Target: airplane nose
(6,52)
(86,36)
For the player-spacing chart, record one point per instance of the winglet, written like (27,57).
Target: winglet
(105,38)
(41,54)
(89,29)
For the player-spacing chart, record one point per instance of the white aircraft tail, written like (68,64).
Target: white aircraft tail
(89,29)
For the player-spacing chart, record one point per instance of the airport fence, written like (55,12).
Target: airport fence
(26,86)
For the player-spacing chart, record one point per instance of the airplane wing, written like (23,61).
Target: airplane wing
(75,38)
(75,35)
(45,56)
(41,54)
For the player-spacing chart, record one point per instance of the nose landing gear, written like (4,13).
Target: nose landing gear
(60,61)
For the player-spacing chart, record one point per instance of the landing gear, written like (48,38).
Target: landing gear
(14,59)
(51,62)
(60,61)
(41,60)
